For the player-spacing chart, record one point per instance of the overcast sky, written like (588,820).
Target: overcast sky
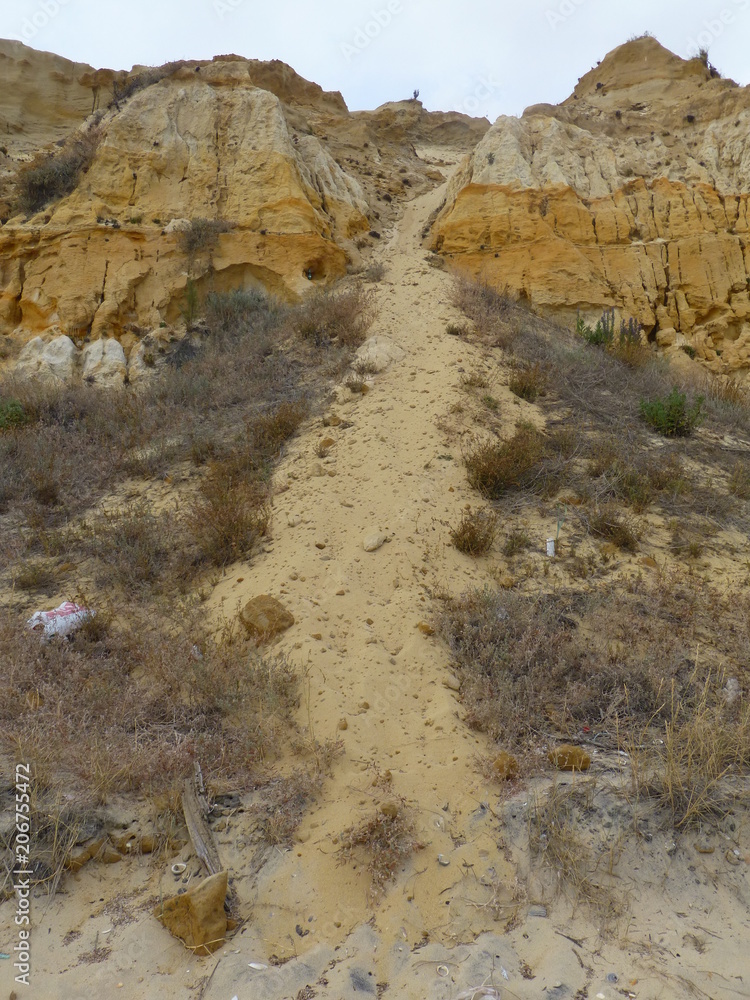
(477,56)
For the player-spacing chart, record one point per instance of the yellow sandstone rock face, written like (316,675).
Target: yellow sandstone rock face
(633,194)
(294,177)
(105,258)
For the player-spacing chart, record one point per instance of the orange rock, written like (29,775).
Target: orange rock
(265,617)
(505,766)
(197,917)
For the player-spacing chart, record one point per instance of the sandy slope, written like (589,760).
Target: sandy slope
(441,928)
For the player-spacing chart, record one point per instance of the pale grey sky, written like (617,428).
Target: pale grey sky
(477,56)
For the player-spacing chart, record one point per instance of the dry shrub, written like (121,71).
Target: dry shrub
(328,316)
(238,312)
(612,525)
(475,532)
(133,708)
(269,431)
(202,236)
(386,838)
(491,311)
(35,575)
(51,176)
(284,800)
(525,660)
(229,515)
(57,824)
(122,90)
(529,380)
(621,470)
(739,481)
(516,542)
(495,467)
(374,273)
(134,546)
(632,353)
(704,745)
(458,330)
(557,836)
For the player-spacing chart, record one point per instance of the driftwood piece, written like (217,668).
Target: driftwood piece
(195,808)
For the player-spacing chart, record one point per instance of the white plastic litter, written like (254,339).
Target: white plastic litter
(61,621)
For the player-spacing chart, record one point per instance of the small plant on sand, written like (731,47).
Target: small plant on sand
(528,381)
(671,415)
(386,838)
(739,481)
(612,525)
(516,542)
(475,532)
(496,467)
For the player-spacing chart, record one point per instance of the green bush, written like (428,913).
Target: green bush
(671,415)
(602,334)
(12,414)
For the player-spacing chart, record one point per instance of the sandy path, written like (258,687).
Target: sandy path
(357,613)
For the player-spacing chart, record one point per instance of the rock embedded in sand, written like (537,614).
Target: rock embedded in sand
(197,917)
(265,617)
(570,758)
(373,540)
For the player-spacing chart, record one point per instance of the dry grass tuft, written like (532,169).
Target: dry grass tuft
(386,838)
(475,532)
(132,708)
(692,769)
(529,380)
(342,317)
(555,838)
(495,467)
(492,312)
(612,525)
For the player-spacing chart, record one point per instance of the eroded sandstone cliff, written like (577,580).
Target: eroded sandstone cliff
(633,194)
(290,180)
